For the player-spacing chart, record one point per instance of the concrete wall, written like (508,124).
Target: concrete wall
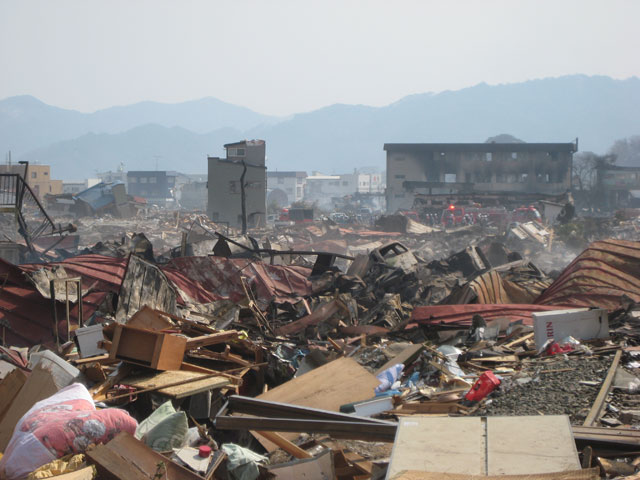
(524,171)
(255,152)
(224,199)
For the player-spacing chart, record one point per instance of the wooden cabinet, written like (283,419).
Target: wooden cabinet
(161,351)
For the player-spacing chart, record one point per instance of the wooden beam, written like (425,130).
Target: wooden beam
(213,339)
(289,447)
(596,408)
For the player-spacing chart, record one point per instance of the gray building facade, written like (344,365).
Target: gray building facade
(224,188)
(445,168)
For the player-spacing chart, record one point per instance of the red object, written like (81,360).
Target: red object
(486,384)
(204,451)
(554,349)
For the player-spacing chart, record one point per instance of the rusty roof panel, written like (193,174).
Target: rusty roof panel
(99,272)
(460,315)
(598,277)
(207,279)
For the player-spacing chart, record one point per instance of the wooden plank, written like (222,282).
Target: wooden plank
(39,385)
(438,444)
(596,408)
(212,339)
(405,356)
(323,313)
(498,359)
(173,376)
(289,447)
(125,458)
(429,407)
(519,341)
(530,445)
(9,389)
(327,388)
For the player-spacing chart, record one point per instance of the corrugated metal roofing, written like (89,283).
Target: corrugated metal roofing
(208,279)
(97,271)
(460,315)
(598,277)
(30,314)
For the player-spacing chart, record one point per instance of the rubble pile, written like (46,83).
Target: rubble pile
(169,347)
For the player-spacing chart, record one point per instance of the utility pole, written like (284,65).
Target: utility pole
(243,199)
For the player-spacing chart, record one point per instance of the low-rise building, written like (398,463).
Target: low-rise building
(618,187)
(285,188)
(156,186)
(38,178)
(225,188)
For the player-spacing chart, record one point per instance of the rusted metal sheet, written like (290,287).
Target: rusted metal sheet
(598,277)
(144,285)
(522,283)
(28,311)
(209,279)
(460,315)
(98,272)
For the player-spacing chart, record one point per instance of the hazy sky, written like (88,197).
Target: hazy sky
(281,57)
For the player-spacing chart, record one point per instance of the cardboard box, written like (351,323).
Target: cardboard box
(579,323)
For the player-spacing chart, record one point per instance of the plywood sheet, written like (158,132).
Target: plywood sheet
(9,389)
(327,388)
(489,446)
(39,385)
(174,376)
(586,474)
(541,444)
(439,444)
(125,458)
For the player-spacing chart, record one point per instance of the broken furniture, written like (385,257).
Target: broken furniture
(160,351)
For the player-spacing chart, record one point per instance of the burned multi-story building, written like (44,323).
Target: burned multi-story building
(618,187)
(466,168)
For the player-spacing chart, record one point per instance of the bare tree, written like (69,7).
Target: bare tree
(627,151)
(585,175)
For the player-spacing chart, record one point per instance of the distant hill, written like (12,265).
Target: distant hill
(335,139)
(141,148)
(26,123)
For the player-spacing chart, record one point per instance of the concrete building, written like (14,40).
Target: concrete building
(285,188)
(224,199)
(618,187)
(327,191)
(442,168)
(359,182)
(38,178)
(324,190)
(156,186)
(193,196)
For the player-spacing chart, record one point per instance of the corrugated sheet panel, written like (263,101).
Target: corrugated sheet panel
(460,315)
(208,279)
(598,277)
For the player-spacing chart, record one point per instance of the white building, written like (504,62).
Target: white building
(285,188)
(78,186)
(327,190)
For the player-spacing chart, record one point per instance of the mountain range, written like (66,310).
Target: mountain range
(335,139)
